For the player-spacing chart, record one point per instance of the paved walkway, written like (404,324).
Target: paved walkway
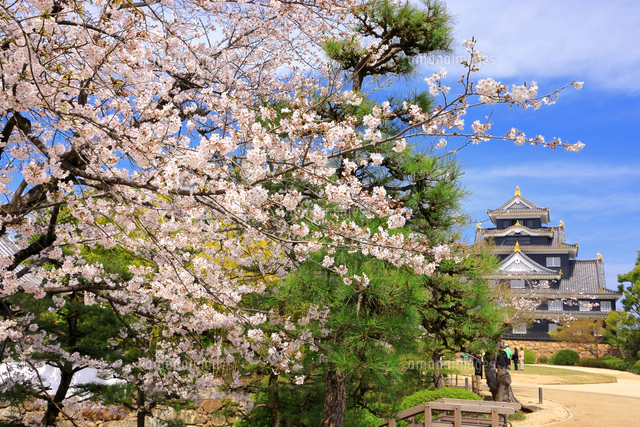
(585,405)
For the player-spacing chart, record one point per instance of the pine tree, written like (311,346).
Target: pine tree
(623,326)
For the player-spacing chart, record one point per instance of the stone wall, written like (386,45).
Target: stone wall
(547,348)
(209,413)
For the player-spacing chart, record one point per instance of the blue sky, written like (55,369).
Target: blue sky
(596,192)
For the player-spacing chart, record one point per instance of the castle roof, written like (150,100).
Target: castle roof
(518,264)
(560,248)
(519,207)
(7,250)
(586,277)
(561,316)
(586,280)
(518,229)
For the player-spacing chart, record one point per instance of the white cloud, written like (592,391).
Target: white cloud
(597,42)
(586,187)
(558,170)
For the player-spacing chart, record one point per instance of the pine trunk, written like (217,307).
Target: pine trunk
(499,382)
(491,375)
(437,377)
(335,399)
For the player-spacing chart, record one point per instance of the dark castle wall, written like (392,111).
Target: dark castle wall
(522,240)
(527,222)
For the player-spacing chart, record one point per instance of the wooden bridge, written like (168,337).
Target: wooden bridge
(457,413)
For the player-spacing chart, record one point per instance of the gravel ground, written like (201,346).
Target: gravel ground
(586,405)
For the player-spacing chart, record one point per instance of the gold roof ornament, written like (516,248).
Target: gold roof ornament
(560,272)
(553,229)
(561,223)
(599,258)
(517,223)
(517,192)
(479,225)
(517,247)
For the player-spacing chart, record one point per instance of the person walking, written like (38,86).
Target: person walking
(508,353)
(502,361)
(515,358)
(478,366)
(521,358)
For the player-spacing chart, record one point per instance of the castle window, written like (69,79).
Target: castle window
(517,284)
(555,305)
(529,223)
(553,327)
(553,261)
(506,223)
(585,306)
(605,306)
(523,240)
(520,329)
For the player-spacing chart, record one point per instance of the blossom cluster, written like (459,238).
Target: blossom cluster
(167,130)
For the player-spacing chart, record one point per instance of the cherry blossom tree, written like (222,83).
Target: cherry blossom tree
(189,134)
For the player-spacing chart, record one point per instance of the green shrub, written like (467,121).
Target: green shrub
(606,362)
(615,363)
(529,357)
(564,357)
(543,359)
(592,363)
(361,418)
(637,365)
(430,395)
(609,357)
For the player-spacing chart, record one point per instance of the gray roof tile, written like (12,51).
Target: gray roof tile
(8,249)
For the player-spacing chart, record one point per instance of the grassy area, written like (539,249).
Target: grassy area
(545,375)
(518,416)
(459,367)
(540,374)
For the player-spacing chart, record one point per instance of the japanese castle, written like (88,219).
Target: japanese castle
(536,261)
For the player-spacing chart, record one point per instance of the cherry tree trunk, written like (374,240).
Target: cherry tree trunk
(66,372)
(53,407)
(273,403)
(335,399)
(142,409)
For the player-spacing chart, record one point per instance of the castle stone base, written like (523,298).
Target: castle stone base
(547,348)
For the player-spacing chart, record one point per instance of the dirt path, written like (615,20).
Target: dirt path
(586,405)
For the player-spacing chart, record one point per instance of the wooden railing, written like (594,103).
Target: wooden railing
(458,413)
